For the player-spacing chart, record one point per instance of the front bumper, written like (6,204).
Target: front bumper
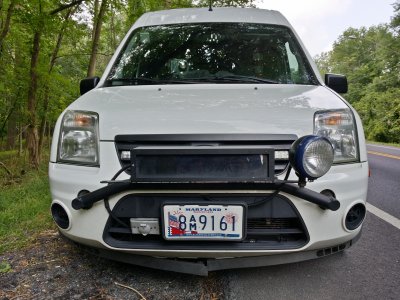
(325,227)
(203,266)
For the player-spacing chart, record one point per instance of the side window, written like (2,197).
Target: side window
(293,64)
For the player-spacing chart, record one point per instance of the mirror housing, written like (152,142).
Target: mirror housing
(88,84)
(336,82)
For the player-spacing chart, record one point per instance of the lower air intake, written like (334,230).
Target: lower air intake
(271,223)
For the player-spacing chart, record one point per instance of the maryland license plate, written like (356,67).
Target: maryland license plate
(203,222)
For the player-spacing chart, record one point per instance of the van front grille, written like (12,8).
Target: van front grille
(280,143)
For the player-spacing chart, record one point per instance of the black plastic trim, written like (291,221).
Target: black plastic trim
(272,141)
(267,153)
(88,84)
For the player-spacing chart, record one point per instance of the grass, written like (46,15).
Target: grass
(24,203)
(7,154)
(5,267)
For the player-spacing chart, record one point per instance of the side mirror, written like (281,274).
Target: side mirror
(336,82)
(88,84)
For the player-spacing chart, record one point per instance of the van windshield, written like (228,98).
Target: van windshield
(211,52)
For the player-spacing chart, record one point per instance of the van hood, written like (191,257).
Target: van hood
(207,108)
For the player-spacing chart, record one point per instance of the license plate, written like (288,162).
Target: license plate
(203,222)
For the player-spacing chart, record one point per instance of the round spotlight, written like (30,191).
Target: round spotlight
(311,156)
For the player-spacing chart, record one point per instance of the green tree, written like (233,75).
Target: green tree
(396,18)
(371,60)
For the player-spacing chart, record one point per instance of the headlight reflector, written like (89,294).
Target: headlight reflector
(79,138)
(338,126)
(311,156)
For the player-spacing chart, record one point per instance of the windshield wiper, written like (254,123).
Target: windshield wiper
(142,80)
(192,80)
(235,78)
(248,78)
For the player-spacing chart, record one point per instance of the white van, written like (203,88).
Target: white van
(210,142)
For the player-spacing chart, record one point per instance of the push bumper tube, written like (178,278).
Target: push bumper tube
(86,201)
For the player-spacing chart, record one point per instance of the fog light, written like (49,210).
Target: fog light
(355,216)
(125,155)
(281,155)
(311,156)
(60,216)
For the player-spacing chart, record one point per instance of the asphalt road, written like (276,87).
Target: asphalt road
(384,184)
(368,270)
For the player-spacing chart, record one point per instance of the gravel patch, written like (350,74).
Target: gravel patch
(53,268)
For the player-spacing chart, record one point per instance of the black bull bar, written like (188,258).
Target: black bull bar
(86,201)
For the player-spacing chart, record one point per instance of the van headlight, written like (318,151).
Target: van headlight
(339,128)
(79,138)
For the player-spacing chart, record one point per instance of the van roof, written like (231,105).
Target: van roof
(218,14)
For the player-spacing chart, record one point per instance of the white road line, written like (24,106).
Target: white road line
(384,215)
(385,147)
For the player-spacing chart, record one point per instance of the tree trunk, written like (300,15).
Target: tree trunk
(32,139)
(15,110)
(11,130)
(43,120)
(113,40)
(95,15)
(20,139)
(52,63)
(1,14)
(96,39)
(8,116)
(65,6)
(6,26)
(11,133)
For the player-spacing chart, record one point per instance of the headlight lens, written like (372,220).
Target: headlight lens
(79,138)
(311,156)
(338,126)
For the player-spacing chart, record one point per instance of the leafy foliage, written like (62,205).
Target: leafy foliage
(371,60)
